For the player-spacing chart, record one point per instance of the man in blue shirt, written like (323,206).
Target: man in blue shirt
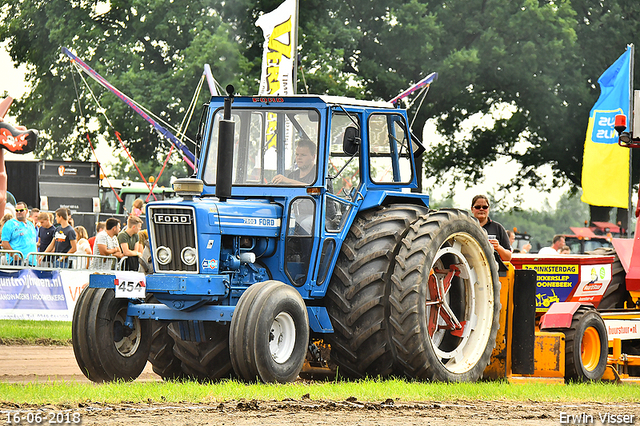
(19,234)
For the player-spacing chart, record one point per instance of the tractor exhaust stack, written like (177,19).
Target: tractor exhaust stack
(225,150)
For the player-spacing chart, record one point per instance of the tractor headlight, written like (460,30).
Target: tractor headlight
(163,254)
(188,255)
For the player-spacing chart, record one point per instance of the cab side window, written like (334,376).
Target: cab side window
(389,155)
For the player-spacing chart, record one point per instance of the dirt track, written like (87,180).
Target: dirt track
(25,364)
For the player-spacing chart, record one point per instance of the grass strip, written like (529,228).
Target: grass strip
(29,332)
(369,390)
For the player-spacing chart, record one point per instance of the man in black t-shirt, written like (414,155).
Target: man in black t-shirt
(128,240)
(305,174)
(64,240)
(46,231)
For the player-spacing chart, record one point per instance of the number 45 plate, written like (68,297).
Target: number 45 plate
(130,285)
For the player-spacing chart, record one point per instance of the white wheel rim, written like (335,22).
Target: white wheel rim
(282,337)
(128,345)
(468,272)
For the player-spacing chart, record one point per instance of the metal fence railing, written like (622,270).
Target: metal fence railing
(12,260)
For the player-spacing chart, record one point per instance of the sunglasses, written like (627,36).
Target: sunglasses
(481,207)
(21,210)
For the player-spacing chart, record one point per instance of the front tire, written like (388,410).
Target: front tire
(445,299)
(269,333)
(107,347)
(586,346)
(83,349)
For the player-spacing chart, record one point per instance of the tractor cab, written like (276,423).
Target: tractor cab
(302,168)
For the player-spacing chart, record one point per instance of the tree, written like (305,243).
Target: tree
(124,169)
(539,59)
(153,51)
(543,224)
(488,53)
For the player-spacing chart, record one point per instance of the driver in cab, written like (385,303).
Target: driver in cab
(305,174)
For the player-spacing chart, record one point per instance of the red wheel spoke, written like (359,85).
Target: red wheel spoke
(438,307)
(458,333)
(453,272)
(434,288)
(434,315)
(449,317)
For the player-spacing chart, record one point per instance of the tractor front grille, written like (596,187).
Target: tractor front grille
(174,229)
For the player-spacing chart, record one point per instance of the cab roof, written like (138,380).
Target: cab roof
(328,99)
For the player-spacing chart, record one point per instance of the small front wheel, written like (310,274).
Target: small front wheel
(106,344)
(586,346)
(269,333)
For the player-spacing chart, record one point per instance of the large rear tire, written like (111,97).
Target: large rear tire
(161,356)
(358,294)
(269,333)
(586,346)
(445,299)
(109,350)
(616,294)
(203,361)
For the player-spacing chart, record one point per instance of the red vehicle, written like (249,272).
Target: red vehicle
(588,239)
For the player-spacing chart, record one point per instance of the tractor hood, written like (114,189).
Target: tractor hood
(248,217)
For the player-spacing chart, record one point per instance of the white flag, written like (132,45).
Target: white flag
(277,57)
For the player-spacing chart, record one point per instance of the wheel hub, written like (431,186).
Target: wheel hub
(282,337)
(590,349)
(125,339)
(452,310)
(441,316)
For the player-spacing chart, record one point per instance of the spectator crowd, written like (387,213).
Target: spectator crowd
(34,231)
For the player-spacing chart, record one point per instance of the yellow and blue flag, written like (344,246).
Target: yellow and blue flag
(605,164)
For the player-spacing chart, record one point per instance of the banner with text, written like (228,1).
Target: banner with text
(605,164)
(32,294)
(278,28)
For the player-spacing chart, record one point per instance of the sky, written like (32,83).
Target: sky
(12,78)
(12,81)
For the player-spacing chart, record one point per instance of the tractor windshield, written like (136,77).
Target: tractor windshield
(277,147)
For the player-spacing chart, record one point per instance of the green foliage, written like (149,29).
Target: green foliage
(440,204)
(152,51)
(543,224)
(541,59)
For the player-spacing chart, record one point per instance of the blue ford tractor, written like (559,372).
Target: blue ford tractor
(300,227)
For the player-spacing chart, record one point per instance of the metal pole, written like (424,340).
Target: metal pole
(294,50)
(631,131)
